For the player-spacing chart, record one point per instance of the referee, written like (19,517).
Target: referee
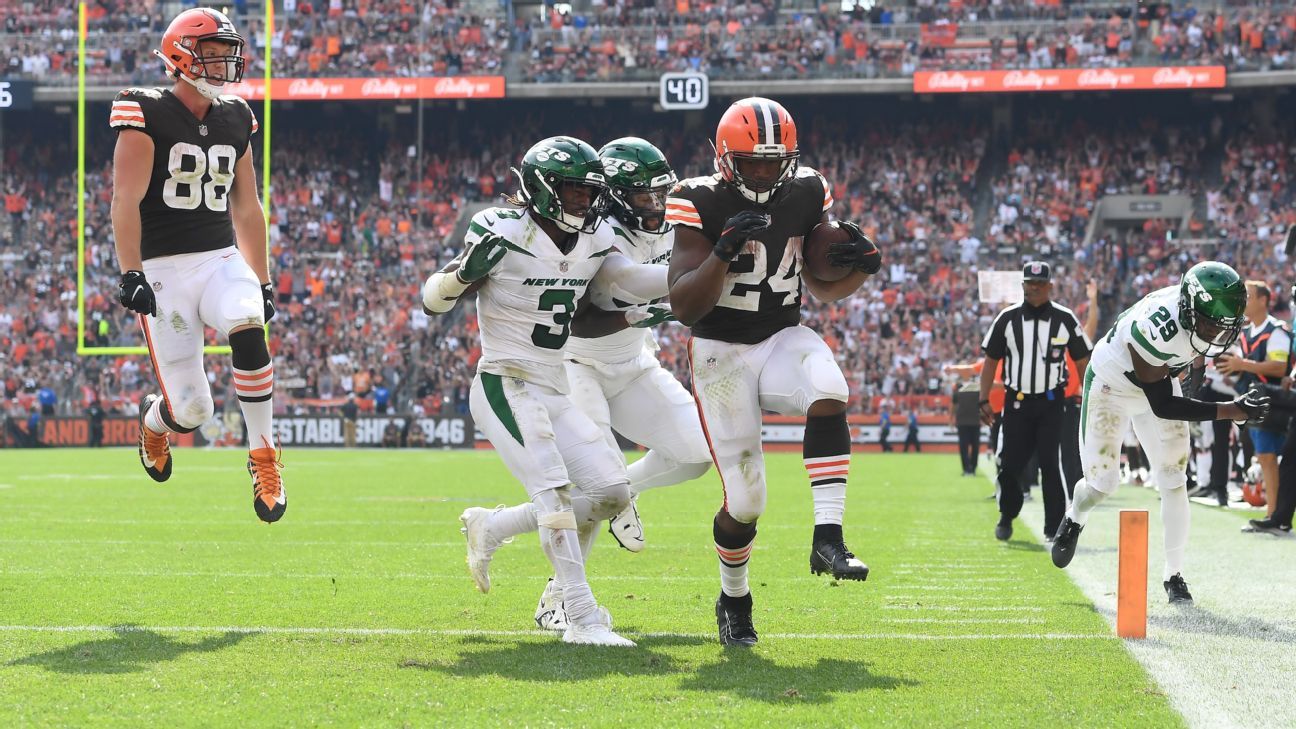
(1032,339)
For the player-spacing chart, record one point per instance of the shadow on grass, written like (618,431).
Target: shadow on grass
(748,674)
(1022,545)
(1197,620)
(130,649)
(737,672)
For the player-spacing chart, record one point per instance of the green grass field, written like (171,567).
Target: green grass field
(124,602)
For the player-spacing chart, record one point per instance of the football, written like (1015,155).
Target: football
(814,253)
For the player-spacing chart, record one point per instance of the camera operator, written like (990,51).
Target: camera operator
(1279,519)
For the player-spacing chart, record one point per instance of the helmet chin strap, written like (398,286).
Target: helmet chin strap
(207,90)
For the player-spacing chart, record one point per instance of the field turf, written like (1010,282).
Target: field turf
(125,603)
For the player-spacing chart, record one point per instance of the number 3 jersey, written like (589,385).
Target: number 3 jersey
(525,308)
(1152,328)
(762,291)
(186,207)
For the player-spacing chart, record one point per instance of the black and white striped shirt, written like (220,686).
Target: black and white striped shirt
(1033,344)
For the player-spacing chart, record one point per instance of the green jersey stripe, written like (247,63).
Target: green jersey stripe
(493,386)
(1146,345)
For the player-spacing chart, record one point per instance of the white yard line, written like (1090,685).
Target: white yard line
(1227,660)
(289,630)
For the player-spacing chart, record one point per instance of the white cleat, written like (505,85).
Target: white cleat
(481,546)
(626,528)
(549,614)
(598,632)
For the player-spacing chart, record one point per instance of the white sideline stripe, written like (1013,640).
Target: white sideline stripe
(975,598)
(968,609)
(284,630)
(963,621)
(77,574)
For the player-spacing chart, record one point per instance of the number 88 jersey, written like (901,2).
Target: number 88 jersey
(186,207)
(1151,327)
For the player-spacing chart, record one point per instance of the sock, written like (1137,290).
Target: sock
(562,547)
(504,524)
(1086,498)
(826,451)
(1175,518)
(655,470)
(254,385)
(734,551)
(153,418)
(831,533)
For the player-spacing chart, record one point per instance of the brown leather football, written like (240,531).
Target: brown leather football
(814,252)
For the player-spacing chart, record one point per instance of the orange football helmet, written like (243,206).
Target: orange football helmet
(756,147)
(181,50)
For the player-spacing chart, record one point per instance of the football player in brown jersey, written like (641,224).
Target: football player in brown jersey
(735,276)
(191,242)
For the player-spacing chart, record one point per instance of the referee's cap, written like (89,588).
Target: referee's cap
(1036,271)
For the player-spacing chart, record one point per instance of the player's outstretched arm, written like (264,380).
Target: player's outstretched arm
(1155,381)
(620,281)
(249,217)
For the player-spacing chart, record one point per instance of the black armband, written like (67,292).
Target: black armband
(1167,406)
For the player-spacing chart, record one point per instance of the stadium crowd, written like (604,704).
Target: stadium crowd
(356,224)
(624,41)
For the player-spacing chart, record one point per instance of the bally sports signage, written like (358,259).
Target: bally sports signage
(1070,79)
(329,89)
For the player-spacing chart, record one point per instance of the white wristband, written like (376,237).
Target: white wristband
(441,291)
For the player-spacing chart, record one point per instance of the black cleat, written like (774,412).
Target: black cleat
(835,559)
(1268,526)
(734,620)
(1064,542)
(1177,590)
(1003,532)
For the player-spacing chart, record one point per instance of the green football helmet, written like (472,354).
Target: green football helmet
(639,178)
(562,180)
(1212,299)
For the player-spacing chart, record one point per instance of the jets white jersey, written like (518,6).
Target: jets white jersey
(1152,328)
(525,308)
(626,344)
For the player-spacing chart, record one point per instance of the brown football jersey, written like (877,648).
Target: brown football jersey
(762,291)
(186,208)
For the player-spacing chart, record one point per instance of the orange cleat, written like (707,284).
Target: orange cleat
(154,448)
(268,497)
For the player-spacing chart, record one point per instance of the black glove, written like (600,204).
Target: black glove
(1255,403)
(858,253)
(135,294)
(737,231)
(267,299)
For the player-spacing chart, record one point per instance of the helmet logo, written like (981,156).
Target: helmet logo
(1197,291)
(613,166)
(547,153)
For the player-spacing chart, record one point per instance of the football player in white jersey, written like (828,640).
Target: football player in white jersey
(191,242)
(530,267)
(1133,376)
(611,359)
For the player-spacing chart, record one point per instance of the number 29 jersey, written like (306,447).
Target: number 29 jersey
(1152,328)
(186,207)
(762,290)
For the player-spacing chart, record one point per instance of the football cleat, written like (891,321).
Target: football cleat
(1267,526)
(1177,590)
(1064,543)
(268,496)
(154,448)
(734,620)
(481,545)
(835,559)
(626,528)
(549,614)
(1003,532)
(596,632)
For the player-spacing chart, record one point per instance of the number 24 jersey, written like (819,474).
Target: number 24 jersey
(186,207)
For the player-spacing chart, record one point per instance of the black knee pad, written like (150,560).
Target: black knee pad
(249,349)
